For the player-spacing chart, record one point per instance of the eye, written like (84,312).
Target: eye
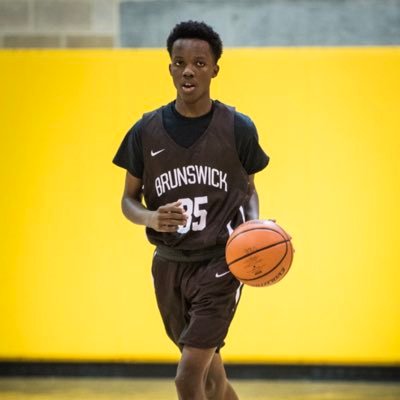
(200,63)
(178,63)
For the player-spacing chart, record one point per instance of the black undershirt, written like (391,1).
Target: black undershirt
(185,131)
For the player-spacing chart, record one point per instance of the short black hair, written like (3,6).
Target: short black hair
(196,30)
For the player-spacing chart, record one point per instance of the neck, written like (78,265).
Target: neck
(192,110)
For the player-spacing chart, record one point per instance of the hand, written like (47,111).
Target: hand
(167,218)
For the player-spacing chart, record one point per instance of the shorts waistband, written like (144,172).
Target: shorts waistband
(190,255)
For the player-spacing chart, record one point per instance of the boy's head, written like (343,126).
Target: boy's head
(196,30)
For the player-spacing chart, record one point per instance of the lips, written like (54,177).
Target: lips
(188,87)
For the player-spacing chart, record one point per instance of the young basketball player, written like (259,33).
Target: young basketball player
(194,161)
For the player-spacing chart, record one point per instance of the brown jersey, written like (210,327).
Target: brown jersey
(208,178)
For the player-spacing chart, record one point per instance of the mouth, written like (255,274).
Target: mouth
(188,87)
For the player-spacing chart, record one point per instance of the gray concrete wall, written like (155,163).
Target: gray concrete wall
(137,23)
(59,23)
(267,23)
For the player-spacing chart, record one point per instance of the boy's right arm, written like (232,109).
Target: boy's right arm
(166,218)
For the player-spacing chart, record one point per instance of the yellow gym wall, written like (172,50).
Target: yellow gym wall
(75,280)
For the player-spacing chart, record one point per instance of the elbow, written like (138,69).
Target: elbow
(130,207)
(124,206)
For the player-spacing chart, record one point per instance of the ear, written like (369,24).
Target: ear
(216,70)
(169,68)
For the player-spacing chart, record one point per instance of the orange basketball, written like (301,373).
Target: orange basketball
(259,253)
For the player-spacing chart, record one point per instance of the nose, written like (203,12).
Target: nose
(188,72)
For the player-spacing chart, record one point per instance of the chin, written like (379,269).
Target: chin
(188,98)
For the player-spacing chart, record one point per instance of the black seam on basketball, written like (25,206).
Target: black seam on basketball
(232,238)
(273,269)
(258,250)
(266,283)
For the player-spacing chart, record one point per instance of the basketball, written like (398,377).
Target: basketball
(259,253)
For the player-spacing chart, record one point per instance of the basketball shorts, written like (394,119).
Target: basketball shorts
(197,300)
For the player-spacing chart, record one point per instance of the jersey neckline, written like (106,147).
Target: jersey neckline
(214,111)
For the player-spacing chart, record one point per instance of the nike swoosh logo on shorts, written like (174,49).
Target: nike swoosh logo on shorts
(154,153)
(217,275)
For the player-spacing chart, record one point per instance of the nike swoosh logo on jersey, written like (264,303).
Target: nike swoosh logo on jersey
(217,275)
(154,153)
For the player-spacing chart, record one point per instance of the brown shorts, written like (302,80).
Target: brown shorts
(197,300)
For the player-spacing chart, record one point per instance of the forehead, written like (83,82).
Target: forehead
(191,47)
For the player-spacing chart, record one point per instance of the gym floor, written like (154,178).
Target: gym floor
(163,389)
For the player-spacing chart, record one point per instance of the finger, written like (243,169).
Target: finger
(174,204)
(172,223)
(171,209)
(173,217)
(168,228)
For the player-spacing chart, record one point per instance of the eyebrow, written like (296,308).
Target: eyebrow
(200,57)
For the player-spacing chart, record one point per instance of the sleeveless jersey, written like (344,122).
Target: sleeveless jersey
(208,178)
